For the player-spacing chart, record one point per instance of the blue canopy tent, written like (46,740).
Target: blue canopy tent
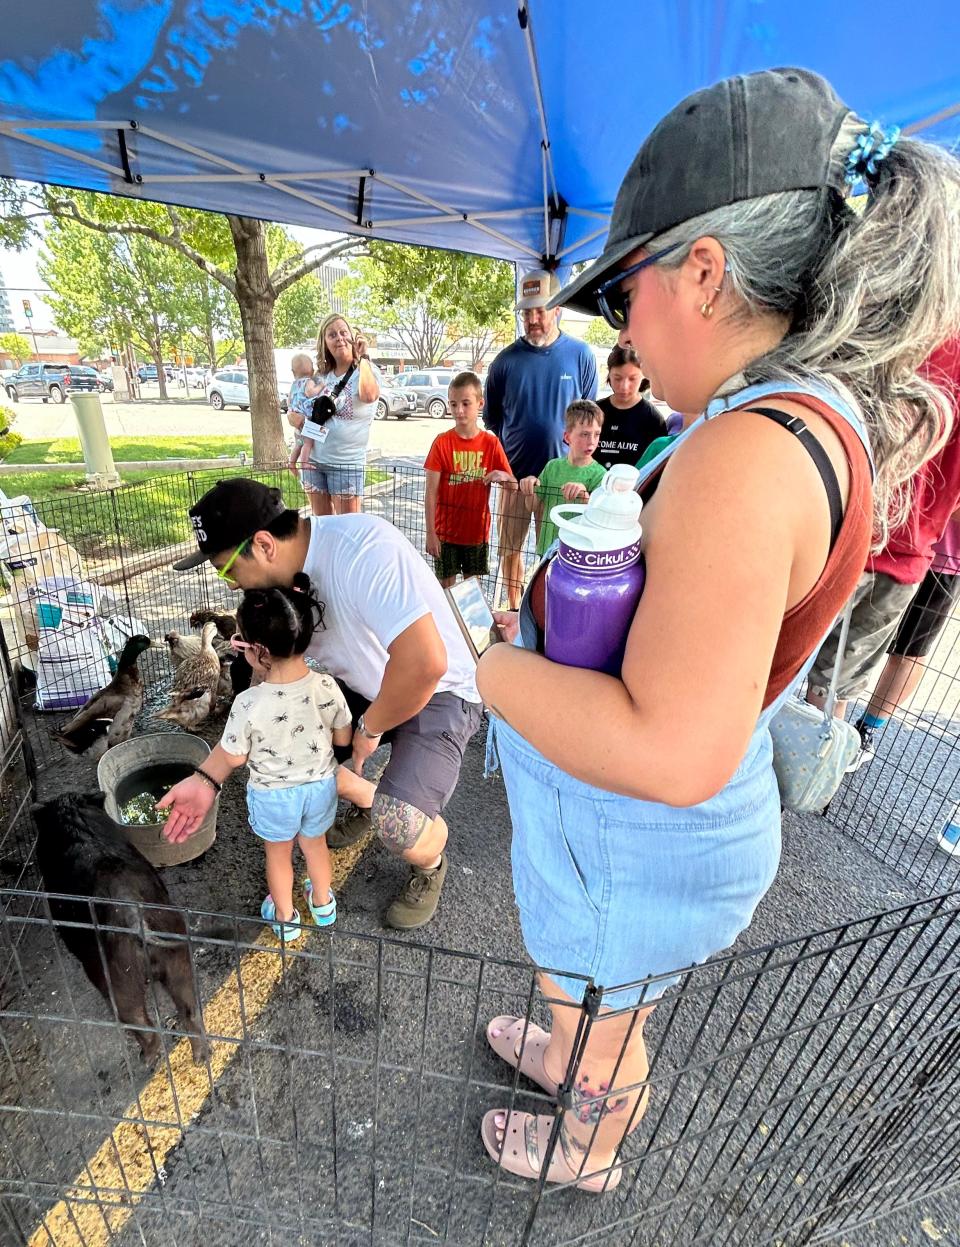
(477,126)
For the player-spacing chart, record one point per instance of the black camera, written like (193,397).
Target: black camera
(324,409)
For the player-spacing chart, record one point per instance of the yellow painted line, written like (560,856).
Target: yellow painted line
(128,1161)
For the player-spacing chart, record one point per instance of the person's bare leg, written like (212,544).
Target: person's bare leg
(346,504)
(819,700)
(897,684)
(608,1099)
(448,582)
(317,856)
(320,502)
(280,876)
(511,567)
(420,840)
(408,832)
(355,788)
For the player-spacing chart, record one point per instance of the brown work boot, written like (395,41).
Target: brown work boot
(417,903)
(354,825)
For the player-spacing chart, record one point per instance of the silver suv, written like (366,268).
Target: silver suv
(430,386)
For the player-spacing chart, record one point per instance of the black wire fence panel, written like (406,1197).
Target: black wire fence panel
(795,1091)
(127,539)
(124,543)
(896,804)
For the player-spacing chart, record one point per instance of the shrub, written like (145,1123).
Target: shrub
(8,438)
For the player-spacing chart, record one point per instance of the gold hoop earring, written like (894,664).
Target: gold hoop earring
(706,310)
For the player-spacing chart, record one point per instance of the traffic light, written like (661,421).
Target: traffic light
(27,309)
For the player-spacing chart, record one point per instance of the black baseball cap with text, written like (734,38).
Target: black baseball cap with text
(227,515)
(747,136)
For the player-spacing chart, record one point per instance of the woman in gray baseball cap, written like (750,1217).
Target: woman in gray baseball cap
(781,268)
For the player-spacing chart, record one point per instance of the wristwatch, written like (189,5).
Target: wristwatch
(362,729)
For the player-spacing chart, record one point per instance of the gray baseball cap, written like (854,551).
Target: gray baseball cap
(752,135)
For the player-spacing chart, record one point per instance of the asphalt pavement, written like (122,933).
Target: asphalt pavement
(373,1119)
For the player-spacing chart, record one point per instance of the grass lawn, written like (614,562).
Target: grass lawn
(149,512)
(131,449)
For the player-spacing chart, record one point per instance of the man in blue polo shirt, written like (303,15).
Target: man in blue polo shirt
(529,386)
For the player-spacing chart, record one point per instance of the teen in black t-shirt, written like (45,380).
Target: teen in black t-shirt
(630,423)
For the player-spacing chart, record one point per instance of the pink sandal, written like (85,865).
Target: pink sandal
(525,1139)
(530,1061)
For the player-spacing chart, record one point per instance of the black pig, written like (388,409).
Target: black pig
(81,851)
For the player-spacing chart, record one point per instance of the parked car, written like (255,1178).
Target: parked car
(394,402)
(228,388)
(148,372)
(104,380)
(50,382)
(429,388)
(196,377)
(87,371)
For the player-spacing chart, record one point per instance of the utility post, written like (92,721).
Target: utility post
(28,312)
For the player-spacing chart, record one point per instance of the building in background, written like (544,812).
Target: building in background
(329,274)
(6,314)
(52,347)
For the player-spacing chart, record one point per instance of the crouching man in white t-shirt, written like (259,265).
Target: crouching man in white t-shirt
(392,643)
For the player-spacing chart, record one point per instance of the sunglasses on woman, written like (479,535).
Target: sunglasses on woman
(613,301)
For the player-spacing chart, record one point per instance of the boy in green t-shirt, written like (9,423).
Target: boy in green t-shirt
(571,479)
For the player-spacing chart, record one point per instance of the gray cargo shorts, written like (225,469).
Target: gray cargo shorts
(426,752)
(879,602)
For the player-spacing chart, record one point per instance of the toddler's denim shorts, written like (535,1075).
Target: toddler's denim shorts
(280,814)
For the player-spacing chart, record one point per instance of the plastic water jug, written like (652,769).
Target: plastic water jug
(594,584)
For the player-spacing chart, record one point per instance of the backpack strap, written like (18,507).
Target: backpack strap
(794,425)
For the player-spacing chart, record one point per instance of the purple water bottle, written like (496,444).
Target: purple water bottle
(594,584)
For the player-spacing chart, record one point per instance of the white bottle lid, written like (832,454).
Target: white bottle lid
(610,519)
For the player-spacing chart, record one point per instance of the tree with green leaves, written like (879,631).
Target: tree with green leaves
(599,333)
(429,300)
(297,312)
(213,334)
(16,346)
(231,250)
(107,289)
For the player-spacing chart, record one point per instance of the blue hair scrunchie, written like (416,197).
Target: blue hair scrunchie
(867,154)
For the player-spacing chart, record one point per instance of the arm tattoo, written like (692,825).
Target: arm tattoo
(398,824)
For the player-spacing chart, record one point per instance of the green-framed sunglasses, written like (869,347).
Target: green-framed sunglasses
(223,572)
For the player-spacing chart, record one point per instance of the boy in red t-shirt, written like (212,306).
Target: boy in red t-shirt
(460,467)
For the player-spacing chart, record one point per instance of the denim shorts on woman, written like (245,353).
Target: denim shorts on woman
(335,481)
(310,479)
(615,889)
(280,814)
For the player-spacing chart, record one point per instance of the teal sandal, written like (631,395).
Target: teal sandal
(286,932)
(323,915)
